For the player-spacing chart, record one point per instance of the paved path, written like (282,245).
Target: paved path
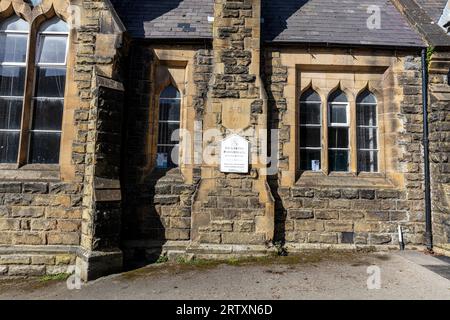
(327,275)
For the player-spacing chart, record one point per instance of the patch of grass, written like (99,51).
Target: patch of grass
(162,259)
(54,277)
(281,249)
(182,264)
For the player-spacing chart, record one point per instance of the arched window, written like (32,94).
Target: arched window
(168,128)
(13,56)
(367,131)
(338,132)
(48,99)
(310,131)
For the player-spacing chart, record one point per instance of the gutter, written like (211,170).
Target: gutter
(307,44)
(426,152)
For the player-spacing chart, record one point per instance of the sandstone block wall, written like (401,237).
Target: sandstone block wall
(235,208)
(46,210)
(352,210)
(157,203)
(439,120)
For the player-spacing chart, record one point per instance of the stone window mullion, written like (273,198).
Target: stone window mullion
(325,164)
(29,88)
(353,139)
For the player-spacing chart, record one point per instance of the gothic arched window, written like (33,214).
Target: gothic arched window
(367,132)
(168,128)
(310,131)
(48,98)
(31,117)
(13,58)
(338,132)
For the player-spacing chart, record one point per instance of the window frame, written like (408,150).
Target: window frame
(35,35)
(376,127)
(351,125)
(174,145)
(37,64)
(319,125)
(24,64)
(339,125)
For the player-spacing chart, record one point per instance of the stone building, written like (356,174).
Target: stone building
(116,118)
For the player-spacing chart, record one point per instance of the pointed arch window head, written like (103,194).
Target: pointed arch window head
(14,23)
(52,45)
(367,132)
(310,131)
(170,92)
(35,119)
(338,132)
(168,128)
(338,96)
(34,3)
(13,55)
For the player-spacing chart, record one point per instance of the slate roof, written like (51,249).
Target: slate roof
(298,21)
(166,19)
(336,22)
(434,8)
(424,15)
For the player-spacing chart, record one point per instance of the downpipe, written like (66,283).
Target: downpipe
(426,151)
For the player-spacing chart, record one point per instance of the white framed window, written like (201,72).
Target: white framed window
(310,124)
(338,132)
(367,132)
(49,89)
(168,128)
(14,38)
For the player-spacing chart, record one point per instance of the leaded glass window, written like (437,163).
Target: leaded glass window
(168,128)
(13,55)
(48,99)
(367,131)
(310,131)
(338,132)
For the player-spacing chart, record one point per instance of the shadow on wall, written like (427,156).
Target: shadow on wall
(139,219)
(277,108)
(144,229)
(156,202)
(274,25)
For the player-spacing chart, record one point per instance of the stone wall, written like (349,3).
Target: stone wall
(42,215)
(233,209)
(47,215)
(440,147)
(355,210)
(157,204)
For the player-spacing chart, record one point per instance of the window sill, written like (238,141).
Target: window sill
(344,180)
(40,172)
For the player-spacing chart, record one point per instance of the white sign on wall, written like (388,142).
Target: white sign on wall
(234,155)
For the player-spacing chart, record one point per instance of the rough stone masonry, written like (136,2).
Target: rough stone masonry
(240,67)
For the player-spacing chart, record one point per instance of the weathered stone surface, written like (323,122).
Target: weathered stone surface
(43,259)
(76,209)
(14,259)
(35,187)
(300,214)
(26,270)
(243,238)
(28,212)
